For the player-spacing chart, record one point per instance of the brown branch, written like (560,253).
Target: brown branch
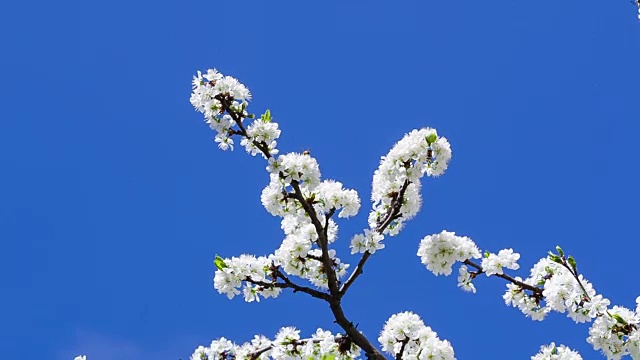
(334,295)
(256,354)
(288,284)
(537,292)
(392,213)
(225,102)
(358,338)
(575,275)
(334,304)
(404,344)
(323,241)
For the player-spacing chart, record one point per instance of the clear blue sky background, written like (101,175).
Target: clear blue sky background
(114,198)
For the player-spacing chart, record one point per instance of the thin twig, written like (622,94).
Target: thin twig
(288,284)
(392,214)
(537,292)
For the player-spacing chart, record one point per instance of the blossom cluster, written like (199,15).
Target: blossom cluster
(246,271)
(406,335)
(223,101)
(298,256)
(295,181)
(561,290)
(295,189)
(396,182)
(370,241)
(287,345)
(493,264)
(617,332)
(553,352)
(439,252)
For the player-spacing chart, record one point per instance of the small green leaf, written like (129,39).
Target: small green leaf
(572,262)
(486,254)
(431,138)
(267,116)
(219,262)
(555,258)
(560,252)
(619,319)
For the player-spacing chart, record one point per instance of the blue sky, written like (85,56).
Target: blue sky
(114,198)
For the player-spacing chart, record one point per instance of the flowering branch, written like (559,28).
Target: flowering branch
(323,241)
(288,284)
(392,214)
(225,102)
(537,292)
(554,280)
(334,301)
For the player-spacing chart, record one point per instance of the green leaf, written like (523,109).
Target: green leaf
(560,252)
(267,116)
(431,138)
(486,254)
(219,262)
(555,258)
(619,319)
(572,262)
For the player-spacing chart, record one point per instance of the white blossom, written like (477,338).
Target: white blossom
(370,241)
(553,352)
(205,98)
(440,251)
(506,258)
(287,345)
(406,331)
(264,132)
(610,333)
(244,270)
(418,152)
(464,280)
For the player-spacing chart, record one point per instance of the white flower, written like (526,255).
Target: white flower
(236,272)
(420,340)
(331,195)
(608,333)
(553,352)
(262,132)
(440,251)
(417,153)
(205,98)
(464,280)
(370,241)
(506,258)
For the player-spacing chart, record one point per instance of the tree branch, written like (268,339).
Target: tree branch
(358,338)
(288,284)
(537,292)
(323,241)
(225,102)
(404,344)
(392,214)
(334,292)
